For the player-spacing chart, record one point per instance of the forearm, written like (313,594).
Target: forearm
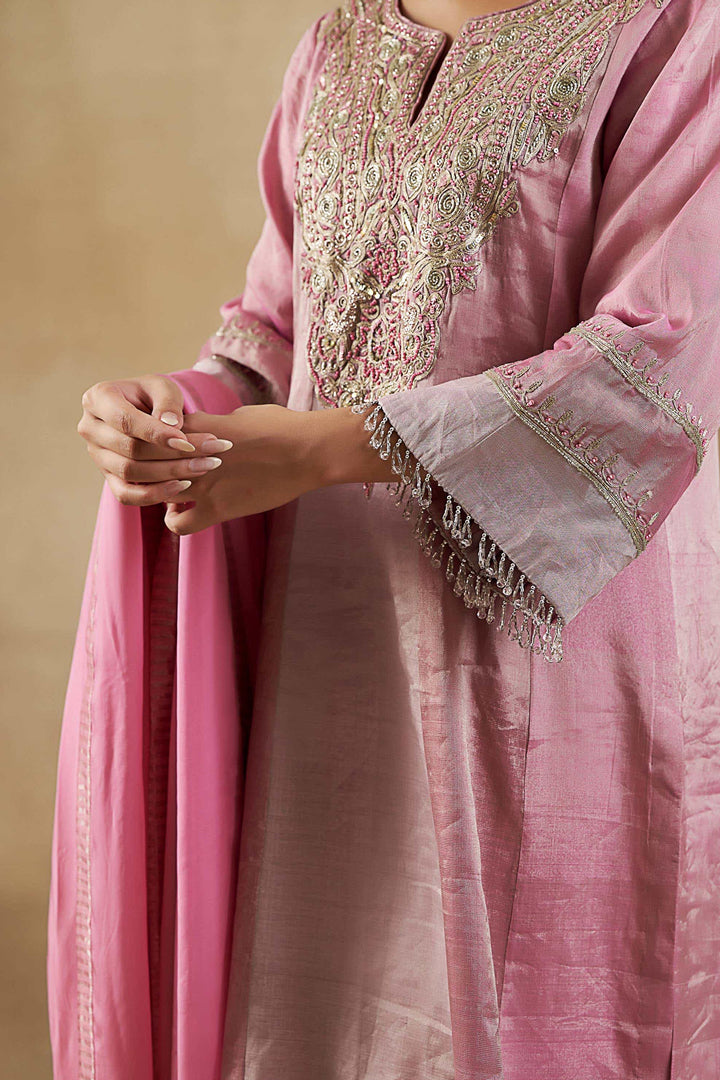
(276,454)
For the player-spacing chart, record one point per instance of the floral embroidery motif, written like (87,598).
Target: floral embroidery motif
(519,386)
(395,209)
(598,334)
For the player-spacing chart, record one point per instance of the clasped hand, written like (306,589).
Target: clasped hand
(230,465)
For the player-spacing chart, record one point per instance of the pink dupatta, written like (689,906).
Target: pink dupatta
(149,789)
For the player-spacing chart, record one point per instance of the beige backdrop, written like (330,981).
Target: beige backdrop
(130,134)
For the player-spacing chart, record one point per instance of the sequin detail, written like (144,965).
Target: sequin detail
(395,210)
(477,568)
(635,364)
(519,386)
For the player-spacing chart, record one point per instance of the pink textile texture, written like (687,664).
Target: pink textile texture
(149,793)
(481,810)
(460,860)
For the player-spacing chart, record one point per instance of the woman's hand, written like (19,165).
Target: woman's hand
(278,454)
(128,426)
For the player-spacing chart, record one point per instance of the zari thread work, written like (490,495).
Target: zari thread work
(597,334)
(250,333)
(395,213)
(519,387)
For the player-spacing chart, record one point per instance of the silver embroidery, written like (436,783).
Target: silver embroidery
(569,442)
(623,360)
(251,333)
(395,213)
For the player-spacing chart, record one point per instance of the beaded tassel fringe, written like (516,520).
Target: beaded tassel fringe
(525,613)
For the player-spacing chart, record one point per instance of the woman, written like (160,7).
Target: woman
(486,298)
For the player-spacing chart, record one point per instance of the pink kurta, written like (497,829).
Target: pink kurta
(461,860)
(481,813)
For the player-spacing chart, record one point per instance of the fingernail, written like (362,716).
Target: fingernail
(169,418)
(180,444)
(204,464)
(214,446)
(180,485)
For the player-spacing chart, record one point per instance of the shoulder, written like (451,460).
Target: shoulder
(348,16)
(333,25)
(672,24)
(308,54)
(312,38)
(673,42)
(683,43)
(666,87)
(334,32)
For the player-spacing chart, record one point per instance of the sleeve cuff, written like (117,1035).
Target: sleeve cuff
(250,386)
(257,347)
(479,570)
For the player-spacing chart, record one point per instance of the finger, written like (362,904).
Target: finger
(98,433)
(132,471)
(186,518)
(166,399)
(198,421)
(178,507)
(145,494)
(112,402)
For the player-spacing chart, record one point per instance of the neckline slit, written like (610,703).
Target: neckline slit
(429,82)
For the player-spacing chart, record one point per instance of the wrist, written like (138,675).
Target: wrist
(339,450)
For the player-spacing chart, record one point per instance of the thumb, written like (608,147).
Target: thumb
(186,518)
(167,399)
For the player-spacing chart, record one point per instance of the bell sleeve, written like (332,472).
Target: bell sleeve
(536,482)
(252,349)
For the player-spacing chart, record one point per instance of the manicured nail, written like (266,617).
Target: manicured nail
(180,444)
(214,446)
(169,418)
(204,464)
(179,485)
